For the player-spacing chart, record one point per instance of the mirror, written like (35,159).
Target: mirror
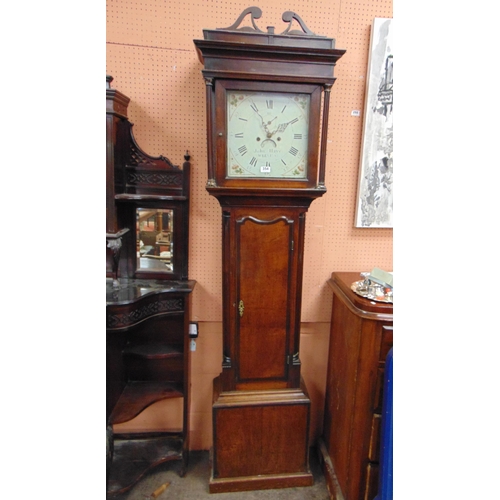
(154,232)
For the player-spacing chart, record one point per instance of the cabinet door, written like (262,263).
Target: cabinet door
(265,287)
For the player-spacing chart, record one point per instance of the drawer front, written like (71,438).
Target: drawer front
(374,450)
(385,347)
(386,343)
(371,487)
(379,390)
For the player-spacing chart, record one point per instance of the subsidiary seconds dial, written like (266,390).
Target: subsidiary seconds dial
(267,134)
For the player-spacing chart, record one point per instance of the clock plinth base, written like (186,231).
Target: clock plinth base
(261,439)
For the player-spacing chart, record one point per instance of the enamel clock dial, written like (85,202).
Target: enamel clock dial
(267,134)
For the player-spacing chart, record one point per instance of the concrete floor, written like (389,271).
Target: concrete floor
(194,485)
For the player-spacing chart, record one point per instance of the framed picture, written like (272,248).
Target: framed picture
(375,183)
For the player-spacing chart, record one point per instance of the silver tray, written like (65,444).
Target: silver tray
(372,291)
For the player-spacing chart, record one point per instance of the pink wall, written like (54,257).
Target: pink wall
(151,55)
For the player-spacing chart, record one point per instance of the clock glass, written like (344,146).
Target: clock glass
(267,134)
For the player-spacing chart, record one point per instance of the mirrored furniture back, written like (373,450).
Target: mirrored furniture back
(147,203)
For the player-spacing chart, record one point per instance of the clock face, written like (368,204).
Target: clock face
(267,135)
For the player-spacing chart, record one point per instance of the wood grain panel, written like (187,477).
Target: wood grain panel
(263,259)
(254,441)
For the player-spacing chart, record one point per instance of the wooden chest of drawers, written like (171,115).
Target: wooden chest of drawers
(360,338)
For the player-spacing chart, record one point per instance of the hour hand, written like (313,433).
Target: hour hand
(268,132)
(282,127)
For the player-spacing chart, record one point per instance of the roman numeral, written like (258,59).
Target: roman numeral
(254,107)
(243,119)
(243,150)
(253,161)
(293,151)
(297,136)
(283,108)
(239,135)
(295,120)
(269,104)
(283,161)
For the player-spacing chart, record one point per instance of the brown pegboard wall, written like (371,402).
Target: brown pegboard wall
(332,241)
(151,55)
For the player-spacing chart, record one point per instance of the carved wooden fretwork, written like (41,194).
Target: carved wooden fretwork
(128,318)
(154,179)
(148,175)
(139,157)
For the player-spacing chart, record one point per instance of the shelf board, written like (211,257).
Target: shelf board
(133,457)
(155,351)
(139,395)
(154,197)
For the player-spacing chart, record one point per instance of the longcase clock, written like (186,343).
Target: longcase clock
(267,98)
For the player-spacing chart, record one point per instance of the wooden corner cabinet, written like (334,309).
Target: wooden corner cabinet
(360,339)
(148,298)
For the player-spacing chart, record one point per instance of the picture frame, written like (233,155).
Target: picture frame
(374,207)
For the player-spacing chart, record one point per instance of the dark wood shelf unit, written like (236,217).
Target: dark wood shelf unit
(147,308)
(147,345)
(361,336)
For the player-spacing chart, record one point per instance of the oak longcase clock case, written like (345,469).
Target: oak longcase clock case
(267,98)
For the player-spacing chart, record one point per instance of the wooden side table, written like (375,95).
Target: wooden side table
(360,338)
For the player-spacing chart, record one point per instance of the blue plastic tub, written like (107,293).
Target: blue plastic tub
(385,478)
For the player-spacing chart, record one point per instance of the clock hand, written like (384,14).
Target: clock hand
(254,107)
(269,134)
(266,130)
(282,126)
